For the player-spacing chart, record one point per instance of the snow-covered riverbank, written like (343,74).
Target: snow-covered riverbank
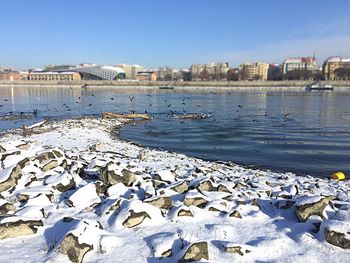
(70,191)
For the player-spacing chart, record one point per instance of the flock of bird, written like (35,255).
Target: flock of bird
(173,110)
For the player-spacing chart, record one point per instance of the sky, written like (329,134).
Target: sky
(179,33)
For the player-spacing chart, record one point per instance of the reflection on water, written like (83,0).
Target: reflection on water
(305,132)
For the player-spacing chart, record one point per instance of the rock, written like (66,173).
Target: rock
(337,239)
(236,249)
(19,228)
(309,206)
(235,214)
(206,186)
(284,204)
(101,188)
(163,202)
(50,165)
(71,247)
(196,201)
(337,233)
(180,188)
(135,219)
(184,212)
(11,175)
(62,182)
(196,252)
(44,157)
(165,175)
(223,188)
(2,149)
(112,177)
(83,238)
(6,207)
(85,197)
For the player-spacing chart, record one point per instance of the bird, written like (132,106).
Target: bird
(169,105)
(112,98)
(149,95)
(35,112)
(92,95)
(172,113)
(286,115)
(90,105)
(131,98)
(6,100)
(240,106)
(132,111)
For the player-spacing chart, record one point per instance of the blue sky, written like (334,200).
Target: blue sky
(173,33)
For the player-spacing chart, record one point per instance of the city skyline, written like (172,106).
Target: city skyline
(177,34)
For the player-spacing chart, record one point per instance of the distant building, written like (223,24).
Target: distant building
(300,63)
(52,67)
(164,73)
(10,75)
(275,72)
(146,75)
(254,71)
(211,71)
(54,76)
(131,70)
(334,65)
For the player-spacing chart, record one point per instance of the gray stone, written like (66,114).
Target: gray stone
(163,202)
(337,239)
(235,214)
(196,201)
(180,188)
(14,175)
(236,250)
(196,252)
(206,186)
(71,247)
(63,188)
(184,212)
(6,208)
(19,228)
(223,188)
(303,212)
(49,165)
(112,177)
(135,219)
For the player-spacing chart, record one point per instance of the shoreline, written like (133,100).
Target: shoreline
(176,85)
(72,186)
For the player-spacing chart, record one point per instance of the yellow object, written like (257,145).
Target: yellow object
(338,176)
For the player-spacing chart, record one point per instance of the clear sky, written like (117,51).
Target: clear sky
(173,33)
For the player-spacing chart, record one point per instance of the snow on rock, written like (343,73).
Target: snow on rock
(310,205)
(82,239)
(85,197)
(165,175)
(11,227)
(196,252)
(337,233)
(155,204)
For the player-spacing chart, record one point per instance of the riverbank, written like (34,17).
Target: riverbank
(180,84)
(71,191)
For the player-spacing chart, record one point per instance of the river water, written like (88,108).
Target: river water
(298,131)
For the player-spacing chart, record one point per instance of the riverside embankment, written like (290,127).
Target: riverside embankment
(180,84)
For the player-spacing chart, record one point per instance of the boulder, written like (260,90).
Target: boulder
(184,212)
(51,164)
(337,233)
(236,248)
(223,188)
(163,202)
(309,206)
(235,214)
(6,207)
(180,188)
(135,219)
(196,252)
(71,247)
(17,228)
(11,175)
(196,201)
(165,175)
(206,186)
(85,197)
(112,177)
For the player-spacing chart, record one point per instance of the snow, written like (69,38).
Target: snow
(269,232)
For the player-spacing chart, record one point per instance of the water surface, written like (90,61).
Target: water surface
(303,132)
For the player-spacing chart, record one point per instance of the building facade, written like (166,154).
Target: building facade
(334,64)
(254,71)
(300,63)
(146,75)
(54,76)
(10,75)
(211,71)
(131,70)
